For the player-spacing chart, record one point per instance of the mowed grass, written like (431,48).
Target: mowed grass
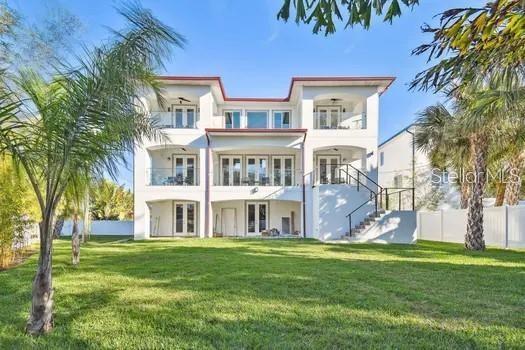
(227,293)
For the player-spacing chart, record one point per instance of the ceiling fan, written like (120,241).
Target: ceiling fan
(183,99)
(334,100)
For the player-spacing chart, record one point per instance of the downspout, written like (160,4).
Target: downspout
(304,187)
(413,168)
(207,189)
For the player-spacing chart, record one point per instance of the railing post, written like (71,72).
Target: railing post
(399,204)
(386,198)
(358,181)
(413,199)
(350,225)
(376,203)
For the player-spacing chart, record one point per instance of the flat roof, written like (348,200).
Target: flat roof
(383,82)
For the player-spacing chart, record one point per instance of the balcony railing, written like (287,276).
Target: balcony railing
(340,174)
(352,121)
(178,176)
(269,178)
(172,120)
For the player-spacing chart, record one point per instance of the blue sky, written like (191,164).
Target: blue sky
(256,55)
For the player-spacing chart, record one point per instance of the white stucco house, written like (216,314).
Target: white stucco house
(249,166)
(402,165)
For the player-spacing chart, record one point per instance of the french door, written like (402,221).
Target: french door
(231,170)
(184,170)
(282,171)
(256,217)
(327,169)
(184,218)
(183,116)
(257,170)
(328,117)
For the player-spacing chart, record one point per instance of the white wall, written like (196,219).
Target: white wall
(277,210)
(334,203)
(102,227)
(503,226)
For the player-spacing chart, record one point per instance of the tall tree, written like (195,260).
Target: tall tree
(325,13)
(505,99)
(438,135)
(83,122)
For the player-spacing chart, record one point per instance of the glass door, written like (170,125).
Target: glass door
(328,169)
(256,217)
(231,169)
(184,117)
(328,117)
(184,170)
(256,171)
(184,218)
(283,171)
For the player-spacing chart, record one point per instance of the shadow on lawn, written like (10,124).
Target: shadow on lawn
(245,293)
(277,275)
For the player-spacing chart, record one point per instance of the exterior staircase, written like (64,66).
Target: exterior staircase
(365,224)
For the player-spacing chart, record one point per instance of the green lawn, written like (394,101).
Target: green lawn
(221,293)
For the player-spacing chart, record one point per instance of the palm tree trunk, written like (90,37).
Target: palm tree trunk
(478,153)
(75,242)
(41,314)
(500,193)
(512,193)
(465,190)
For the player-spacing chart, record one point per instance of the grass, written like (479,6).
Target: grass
(222,293)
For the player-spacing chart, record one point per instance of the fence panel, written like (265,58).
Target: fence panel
(102,227)
(494,226)
(502,226)
(430,225)
(516,226)
(454,225)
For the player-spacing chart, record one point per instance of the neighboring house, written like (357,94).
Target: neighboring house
(402,165)
(231,166)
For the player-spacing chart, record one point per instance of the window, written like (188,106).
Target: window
(257,119)
(232,119)
(381,158)
(281,119)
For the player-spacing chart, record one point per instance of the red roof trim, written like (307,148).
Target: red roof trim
(273,99)
(270,131)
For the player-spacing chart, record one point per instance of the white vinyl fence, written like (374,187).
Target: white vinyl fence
(503,226)
(102,227)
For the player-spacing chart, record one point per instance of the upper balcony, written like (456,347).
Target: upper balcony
(335,119)
(340,112)
(179,118)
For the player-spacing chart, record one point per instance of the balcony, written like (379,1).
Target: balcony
(179,119)
(178,176)
(279,178)
(339,120)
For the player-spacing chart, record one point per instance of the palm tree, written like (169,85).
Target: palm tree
(82,122)
(437,135)
(503,99)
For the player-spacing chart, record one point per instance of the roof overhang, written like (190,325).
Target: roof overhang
(256,132)
(381,82)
